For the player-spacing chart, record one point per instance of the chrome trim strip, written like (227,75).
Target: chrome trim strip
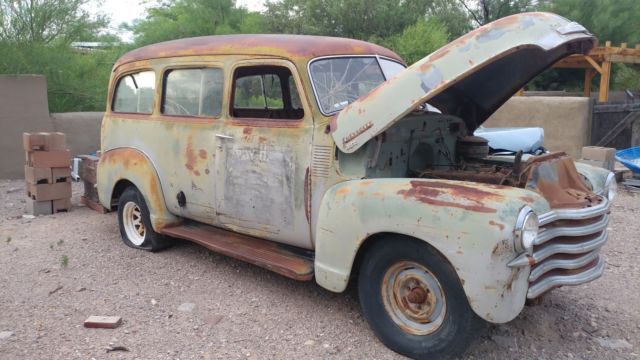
(559,280)
(575,214)
(579,248)
(550,233)
(562,264)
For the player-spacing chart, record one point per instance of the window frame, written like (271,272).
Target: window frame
(192,66)
(313,86)
(129,73)
(267,122)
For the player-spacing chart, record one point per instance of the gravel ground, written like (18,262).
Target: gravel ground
(188,303)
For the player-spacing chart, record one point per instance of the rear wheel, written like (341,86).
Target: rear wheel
(413,300)
(135,223)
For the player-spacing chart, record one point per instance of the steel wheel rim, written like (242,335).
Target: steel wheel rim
(413,298)
(133,223)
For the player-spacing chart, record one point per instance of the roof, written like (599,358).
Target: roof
(287,46)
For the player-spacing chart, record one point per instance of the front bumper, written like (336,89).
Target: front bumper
(567,248)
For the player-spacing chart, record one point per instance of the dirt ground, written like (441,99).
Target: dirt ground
(189,303)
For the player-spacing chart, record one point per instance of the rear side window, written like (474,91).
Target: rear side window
(193,92)
(265,92)
(134,93)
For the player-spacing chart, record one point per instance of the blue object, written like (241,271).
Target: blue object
(630,158)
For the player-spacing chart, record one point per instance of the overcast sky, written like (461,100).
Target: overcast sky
(128,10)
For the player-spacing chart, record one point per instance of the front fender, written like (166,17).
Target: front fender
(132,165)
(596,176)
(471,224)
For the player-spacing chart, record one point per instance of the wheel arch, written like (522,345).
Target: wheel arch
(122,167)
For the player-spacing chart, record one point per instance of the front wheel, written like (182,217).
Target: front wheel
(135,223)
(413,300)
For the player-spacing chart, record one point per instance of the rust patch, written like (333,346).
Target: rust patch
(206,171)
(247,131)
(527,199)
(342,191)
(190,155)
(498,225)
(202,153)
(196,173)
(262,139)
(428,191)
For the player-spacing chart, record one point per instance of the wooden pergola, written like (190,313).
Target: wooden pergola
(599,61)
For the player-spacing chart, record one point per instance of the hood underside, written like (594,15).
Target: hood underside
(470,77)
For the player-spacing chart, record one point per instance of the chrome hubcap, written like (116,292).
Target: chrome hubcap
(413,298)
(133,224)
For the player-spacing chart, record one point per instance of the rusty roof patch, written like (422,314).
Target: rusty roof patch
(286,46)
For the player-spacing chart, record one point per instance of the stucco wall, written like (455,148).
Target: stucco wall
(82,129)
(565,120)
(23,108)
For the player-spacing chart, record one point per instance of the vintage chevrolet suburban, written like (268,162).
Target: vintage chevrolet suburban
(319,158)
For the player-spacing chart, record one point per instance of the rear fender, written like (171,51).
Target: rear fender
(134,166)
(470,224)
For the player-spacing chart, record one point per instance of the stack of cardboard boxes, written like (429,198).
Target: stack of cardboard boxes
(47,173)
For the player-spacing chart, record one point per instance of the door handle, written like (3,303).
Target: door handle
(222,136)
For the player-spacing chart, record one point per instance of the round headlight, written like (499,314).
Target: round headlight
(611,187)
(526,230)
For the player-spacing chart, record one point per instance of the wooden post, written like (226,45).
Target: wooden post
(588,79)
(605,79)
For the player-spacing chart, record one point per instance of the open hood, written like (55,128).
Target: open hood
(470,77)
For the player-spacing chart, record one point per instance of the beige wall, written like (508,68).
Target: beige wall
(82,129)
(24,108)
(565,120)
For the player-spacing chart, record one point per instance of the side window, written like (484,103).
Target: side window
(135,92)
(193,92)
(265,92)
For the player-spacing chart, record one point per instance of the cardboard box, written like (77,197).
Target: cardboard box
(42,192)
(43,141)
(49,159)
(602,154)
(35,207)
(59,205)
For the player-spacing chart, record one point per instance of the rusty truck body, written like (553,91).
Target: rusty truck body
(318,158)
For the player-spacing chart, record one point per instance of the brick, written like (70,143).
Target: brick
(61,174)
(59,205)
(43,192)
(38,175)
(33,141)
(103,322)
(55,141)
(44,141)
(36,208)
(49,159)
(90,191)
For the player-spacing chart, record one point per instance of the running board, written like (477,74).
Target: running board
(263,253)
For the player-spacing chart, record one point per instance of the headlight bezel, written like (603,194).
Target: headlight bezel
(526,230)
(610,187)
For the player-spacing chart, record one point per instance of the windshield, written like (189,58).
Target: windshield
(339,81)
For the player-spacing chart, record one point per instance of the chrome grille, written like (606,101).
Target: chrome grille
(567,248)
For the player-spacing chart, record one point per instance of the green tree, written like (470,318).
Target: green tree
(45,21)
(420,39)
(187,18)
(358,19)
(485,11)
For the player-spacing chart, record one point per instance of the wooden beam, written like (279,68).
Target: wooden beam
(605,79)
(588,79)
(594,64)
